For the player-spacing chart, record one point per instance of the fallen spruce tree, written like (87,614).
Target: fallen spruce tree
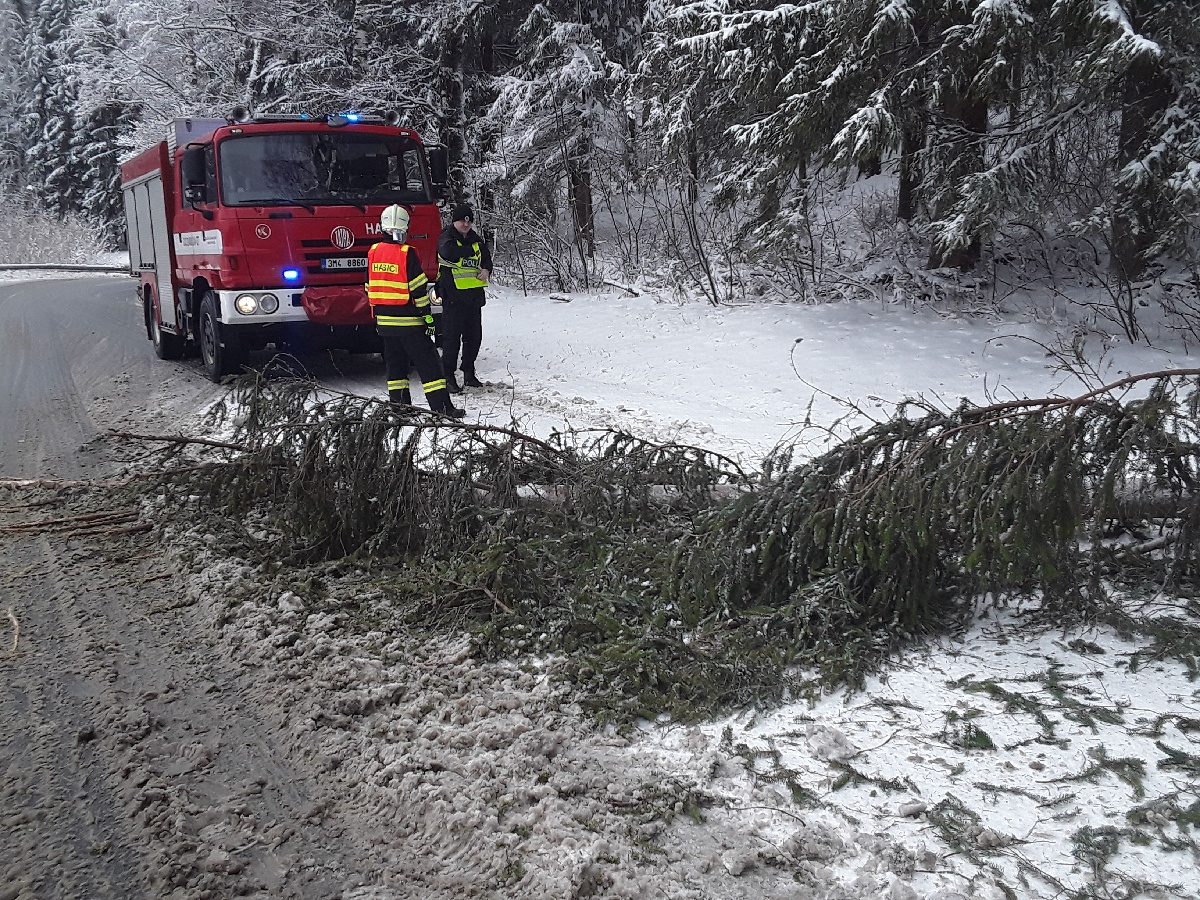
(663,578)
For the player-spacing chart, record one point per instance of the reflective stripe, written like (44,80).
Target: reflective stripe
(401,321)
(400,384)
(388,282)
(438,385)
(466,270)
(463,282)
(379,294)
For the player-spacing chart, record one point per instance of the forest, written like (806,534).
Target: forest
(722,146)
(446,627)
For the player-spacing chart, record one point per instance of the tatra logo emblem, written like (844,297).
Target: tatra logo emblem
(263,231)
(343,237)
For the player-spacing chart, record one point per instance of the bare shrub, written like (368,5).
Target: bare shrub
(539,255)
(1178,297)
(30,235)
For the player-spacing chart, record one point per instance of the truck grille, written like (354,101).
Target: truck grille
(324,249)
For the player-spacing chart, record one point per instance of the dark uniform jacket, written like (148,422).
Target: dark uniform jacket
(462,252)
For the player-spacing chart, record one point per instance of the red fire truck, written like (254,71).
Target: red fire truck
(249,231)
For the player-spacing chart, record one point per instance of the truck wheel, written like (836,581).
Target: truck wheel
(166,346)
(218,347)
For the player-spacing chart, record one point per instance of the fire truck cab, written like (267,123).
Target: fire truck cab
(249,231)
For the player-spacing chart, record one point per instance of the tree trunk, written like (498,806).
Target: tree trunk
(912,138)
(693,160)
(1137,222)
(910,145)
(487,52)
(579,186)
(580,178)
(1016,89)
(966,122)
(453,119)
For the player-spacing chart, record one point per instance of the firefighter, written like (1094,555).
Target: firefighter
(464,267)
(398,291)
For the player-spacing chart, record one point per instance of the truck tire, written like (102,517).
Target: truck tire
(166,346)
(219,350)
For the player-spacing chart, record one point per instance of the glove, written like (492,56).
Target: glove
(430,328)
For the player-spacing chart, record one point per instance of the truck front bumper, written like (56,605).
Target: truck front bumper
(261,307)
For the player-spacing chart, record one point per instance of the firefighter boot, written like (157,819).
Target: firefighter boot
(440,403)
(469,378)
(450,410)
(452,384)
(400,397)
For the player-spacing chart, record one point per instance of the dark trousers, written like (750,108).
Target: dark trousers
(462,324)
(408,348)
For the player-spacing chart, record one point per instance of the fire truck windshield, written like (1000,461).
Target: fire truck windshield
(309,168)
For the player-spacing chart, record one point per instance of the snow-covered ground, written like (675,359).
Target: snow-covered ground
(1007,763)
(1009,760)
(742,379)
(1006,758)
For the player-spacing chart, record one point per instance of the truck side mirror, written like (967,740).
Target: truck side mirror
(195,175)
(439,171)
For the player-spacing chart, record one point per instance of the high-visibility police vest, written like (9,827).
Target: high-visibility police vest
(389,291)
(466,270)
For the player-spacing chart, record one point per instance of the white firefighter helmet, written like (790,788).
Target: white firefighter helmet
(394,220)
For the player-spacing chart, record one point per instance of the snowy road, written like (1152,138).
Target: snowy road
(130,763)
(60,342)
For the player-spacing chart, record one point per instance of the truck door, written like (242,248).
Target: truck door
(162,252)
(150,239)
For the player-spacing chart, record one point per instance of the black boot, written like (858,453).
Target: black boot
(401,397)
(469,378)
(452,384)
(441,404)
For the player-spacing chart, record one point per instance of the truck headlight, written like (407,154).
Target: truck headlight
(249,304)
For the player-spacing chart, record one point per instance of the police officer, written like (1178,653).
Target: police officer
(398,291)
(464,267)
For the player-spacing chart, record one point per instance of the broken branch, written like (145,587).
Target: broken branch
(180,439)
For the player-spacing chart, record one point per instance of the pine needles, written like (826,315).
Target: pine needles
(889,535)
(628,561)
(333,475)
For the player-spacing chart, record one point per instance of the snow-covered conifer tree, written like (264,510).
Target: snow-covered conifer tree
(43,124)
(1140,59)
(989,111)
(850,82)
(560,106)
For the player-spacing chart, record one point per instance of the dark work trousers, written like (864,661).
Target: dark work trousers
(439,325)
(406,348)
(462,325)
